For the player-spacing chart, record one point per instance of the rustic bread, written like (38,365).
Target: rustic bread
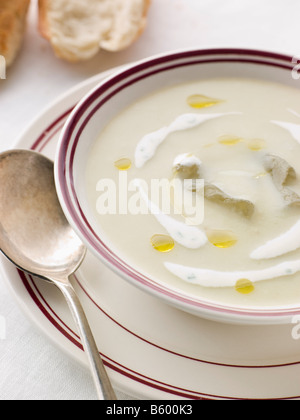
(78,29)
(12,25)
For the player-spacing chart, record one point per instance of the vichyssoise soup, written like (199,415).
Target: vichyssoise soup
(240,139)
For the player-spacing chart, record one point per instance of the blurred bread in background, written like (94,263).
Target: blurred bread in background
(78,29)
(12,26)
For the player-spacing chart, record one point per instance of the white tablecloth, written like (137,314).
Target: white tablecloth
(26,357)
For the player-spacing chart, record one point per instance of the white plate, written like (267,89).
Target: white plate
(151,350)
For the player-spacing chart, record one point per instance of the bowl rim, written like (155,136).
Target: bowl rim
(64,177)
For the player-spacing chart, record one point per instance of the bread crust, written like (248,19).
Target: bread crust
(12,25)
(78,30)
(122,44)
(43,21)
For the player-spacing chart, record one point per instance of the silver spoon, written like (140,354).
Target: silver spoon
(36,237)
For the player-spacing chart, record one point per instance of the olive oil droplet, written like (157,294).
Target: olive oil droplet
(202,101)
(230,140)
(162,243)
(123,164)
(256,145)
(221,238)
(260,175)
(244,286)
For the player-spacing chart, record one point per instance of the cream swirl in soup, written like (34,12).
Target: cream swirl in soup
(244,147)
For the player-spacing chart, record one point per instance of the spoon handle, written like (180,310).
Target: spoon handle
(102,382)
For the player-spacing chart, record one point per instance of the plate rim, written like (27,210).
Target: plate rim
(147,391)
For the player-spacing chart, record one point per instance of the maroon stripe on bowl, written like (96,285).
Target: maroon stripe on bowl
(87,108)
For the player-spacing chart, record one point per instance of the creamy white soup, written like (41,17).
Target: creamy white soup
(235,145)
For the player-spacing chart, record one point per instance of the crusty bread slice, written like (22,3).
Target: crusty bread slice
(78,29)
(12,25)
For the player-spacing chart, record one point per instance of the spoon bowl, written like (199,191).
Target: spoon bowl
(33,227)
(36,236)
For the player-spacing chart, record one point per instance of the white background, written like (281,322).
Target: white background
(38,77)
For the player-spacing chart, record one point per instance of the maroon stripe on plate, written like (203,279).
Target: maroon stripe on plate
(207,362)
(131,374)
(49,130)
(111,364)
